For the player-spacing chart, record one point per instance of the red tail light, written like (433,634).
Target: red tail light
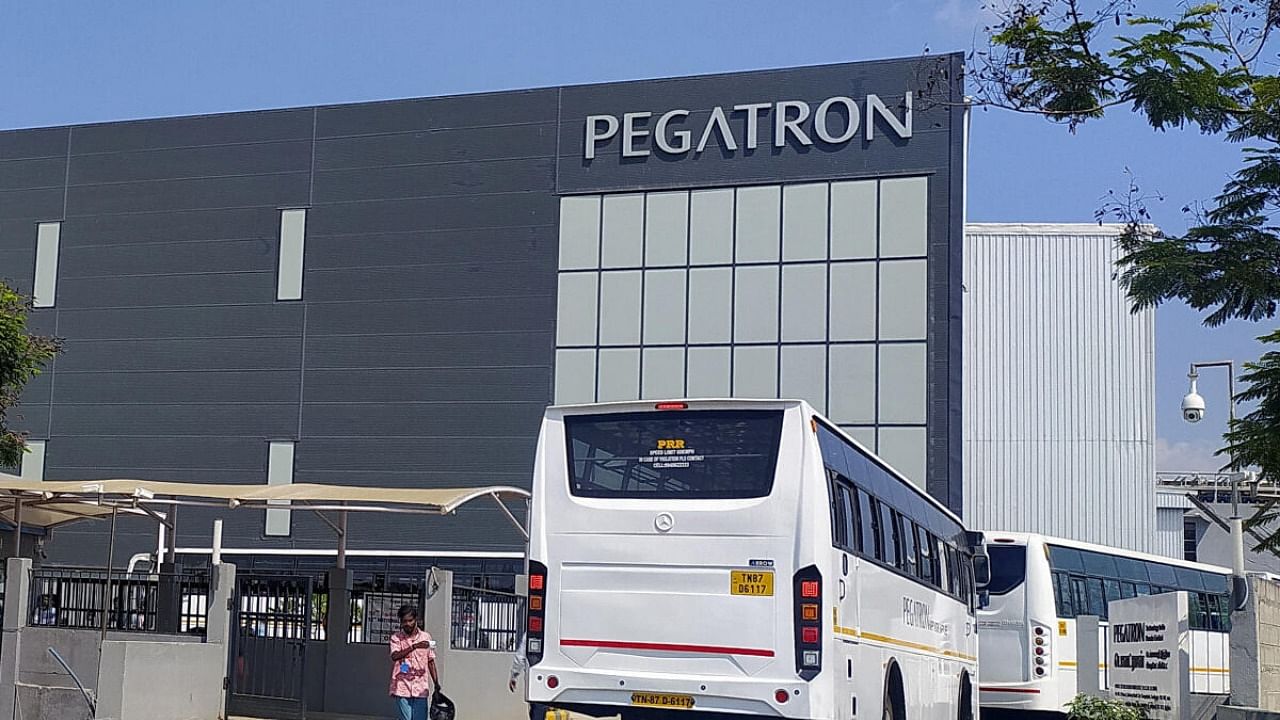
(671,406)
(781,696)
(536,613)
(807,586)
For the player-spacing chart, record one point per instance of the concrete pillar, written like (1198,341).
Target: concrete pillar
(168,600)
(1087,656)
(222,588)
(17,600)
(437,615)
(221,620)
(337,628)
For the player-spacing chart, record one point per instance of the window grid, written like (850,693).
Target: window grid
(721,218)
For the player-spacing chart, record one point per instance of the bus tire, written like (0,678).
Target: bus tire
(895,696)
(965,707)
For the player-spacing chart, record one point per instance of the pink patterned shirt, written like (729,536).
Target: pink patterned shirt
(410,677)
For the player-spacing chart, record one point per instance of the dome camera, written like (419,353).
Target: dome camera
(1192,402)
(1193,407)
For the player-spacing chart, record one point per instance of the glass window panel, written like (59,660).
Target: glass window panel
(1100,564)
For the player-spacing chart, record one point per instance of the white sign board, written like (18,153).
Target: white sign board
(1149,653)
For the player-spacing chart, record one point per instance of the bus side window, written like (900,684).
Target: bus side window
(1062,595)
(1127,590)
(877,529)
(1112,588)
(1096,598)
(927,553)
(1079,597)
(839,518)
(905,530)
(870,527)
(837,514)
(889,529)
(855,516)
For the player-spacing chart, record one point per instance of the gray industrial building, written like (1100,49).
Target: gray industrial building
(390,293)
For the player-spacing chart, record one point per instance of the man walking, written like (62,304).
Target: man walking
(413,657)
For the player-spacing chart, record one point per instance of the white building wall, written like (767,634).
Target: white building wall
(1058,416)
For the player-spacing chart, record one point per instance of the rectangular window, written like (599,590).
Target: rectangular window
(1189,545)
(855,513)
(33,461)
(698,454)
(279,472)
(45,290)
(1096,599)
(293,230)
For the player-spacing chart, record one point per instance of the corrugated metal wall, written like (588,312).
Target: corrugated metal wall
(1058,387)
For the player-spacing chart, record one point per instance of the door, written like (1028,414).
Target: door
(271,627)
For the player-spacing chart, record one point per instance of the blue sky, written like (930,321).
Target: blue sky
(80,61)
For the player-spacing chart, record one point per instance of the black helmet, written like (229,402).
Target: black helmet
(441,707)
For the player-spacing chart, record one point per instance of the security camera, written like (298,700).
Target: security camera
(1192,406)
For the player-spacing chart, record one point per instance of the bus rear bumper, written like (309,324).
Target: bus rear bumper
(612,689)
(1020,697)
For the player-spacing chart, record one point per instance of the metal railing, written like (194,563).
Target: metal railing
(485,619)
(75,598)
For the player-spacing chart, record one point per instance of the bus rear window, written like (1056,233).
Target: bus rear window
(1008,567)
(694,454)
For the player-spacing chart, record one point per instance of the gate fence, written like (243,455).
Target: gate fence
(77,598)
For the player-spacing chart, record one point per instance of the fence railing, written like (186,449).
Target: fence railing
(375,615)
(485,619)
(75,598)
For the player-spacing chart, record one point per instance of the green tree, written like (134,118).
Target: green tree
(22,355)
(1209,67)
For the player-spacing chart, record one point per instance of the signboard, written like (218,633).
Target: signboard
(1149,651)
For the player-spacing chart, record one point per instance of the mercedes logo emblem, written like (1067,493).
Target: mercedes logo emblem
(664,522)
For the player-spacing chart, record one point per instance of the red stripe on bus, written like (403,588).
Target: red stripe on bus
(1029,691)
(669,647)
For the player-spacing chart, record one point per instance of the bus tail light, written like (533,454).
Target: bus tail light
(536,613)
(1041,650)
(781,696)
(807,586)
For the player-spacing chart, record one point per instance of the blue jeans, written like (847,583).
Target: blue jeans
(412,708)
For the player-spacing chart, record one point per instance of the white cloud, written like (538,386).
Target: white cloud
(963,14)
(1179,456)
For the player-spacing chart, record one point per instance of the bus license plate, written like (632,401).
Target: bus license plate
(662,700)
(742,582)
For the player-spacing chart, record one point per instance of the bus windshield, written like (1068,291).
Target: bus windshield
(697,454)
(1008,567)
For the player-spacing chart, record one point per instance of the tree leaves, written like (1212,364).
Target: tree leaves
(22,356)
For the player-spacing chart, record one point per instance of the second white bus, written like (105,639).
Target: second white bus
(1040,584)
(740,558)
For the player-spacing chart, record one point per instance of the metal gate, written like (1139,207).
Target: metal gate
(273,621)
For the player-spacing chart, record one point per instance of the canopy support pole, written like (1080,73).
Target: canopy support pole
(17,525)
(510,517)
(342,540)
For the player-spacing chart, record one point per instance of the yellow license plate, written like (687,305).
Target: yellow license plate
(662,700)
(753,582)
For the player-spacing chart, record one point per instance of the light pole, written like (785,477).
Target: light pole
(1193,410)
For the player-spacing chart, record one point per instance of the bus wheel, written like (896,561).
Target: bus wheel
(965,711)
(895,699)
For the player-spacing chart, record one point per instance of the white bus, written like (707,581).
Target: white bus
(730,558)
(1040,584)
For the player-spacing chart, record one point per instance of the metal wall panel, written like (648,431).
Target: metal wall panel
(1058,381)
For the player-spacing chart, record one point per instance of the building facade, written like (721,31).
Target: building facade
(1059,412)
(390,293)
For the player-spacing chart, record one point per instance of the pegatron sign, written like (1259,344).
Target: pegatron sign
(835,121)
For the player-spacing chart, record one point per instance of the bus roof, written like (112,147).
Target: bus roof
(1023,538)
